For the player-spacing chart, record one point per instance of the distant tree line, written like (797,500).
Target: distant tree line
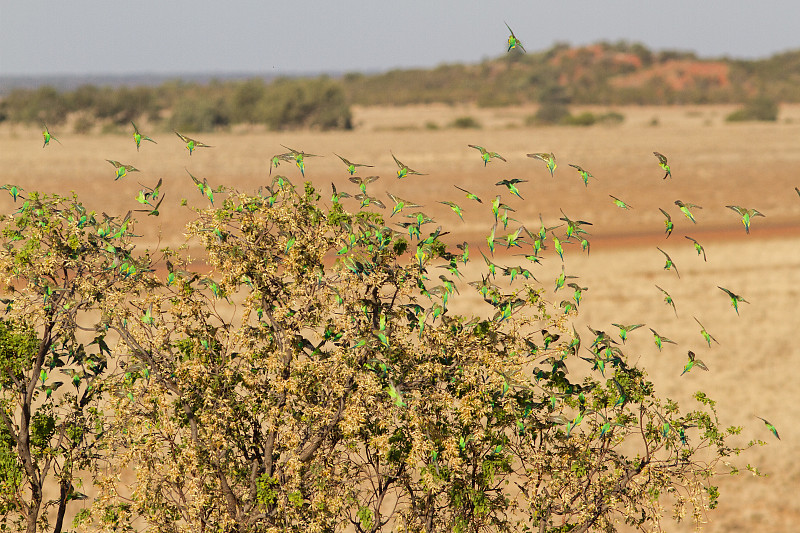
(601,74)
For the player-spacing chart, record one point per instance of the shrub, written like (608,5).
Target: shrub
(761,108)
(465,123)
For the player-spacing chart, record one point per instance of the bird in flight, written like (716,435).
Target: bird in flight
(693,362)
(486,155)
(513,42)
(299,158)
(362,182)
(706,335)
(276,159)
(549,159)
(669,264)
(668,223)
(686,209)
(770,427)
(619,203)
(138,137)
(191,144)
(405,170)
(662,162)
(668,299)
(351,167)
(747,215)
(47,136)
(399,203)
(585,175)
(625,329)
(735,298)
(122,170)
(698,247)
(659,340)
(512,185)
(470,195)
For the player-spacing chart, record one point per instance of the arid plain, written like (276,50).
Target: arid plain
(714,164)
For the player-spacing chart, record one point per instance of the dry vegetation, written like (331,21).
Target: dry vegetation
(713,164)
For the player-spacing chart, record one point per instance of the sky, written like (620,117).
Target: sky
(295,36)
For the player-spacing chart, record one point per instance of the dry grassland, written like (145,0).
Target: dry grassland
(713,164)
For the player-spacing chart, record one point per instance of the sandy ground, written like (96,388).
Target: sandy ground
(714,164)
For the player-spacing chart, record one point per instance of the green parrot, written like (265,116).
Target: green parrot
(619,203)
(577,295)
(558,247)
(698,247)
(549,159)
(770,427)
(203,186)
(276,159)
(693,362)
(497,205)
(659,340)
(366,200)
(470,195)
(624,330)
(746,214)
(669,264)
(513,42)
(191,144)
(405,170)
(668,223)
(487,155)
(735,298)
(351,167)
(336,196)
(399,203)
(138,137)
(512,185)
(585,175)
(685,208)
(662,162)
(574,226)
(122,170)
(668,299)
(47,136)
(455,207)
(363,182)
(299,158)
(706,335)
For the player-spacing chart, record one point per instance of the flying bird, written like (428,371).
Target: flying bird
(735,298)
(585,175)
(706,335)
(659,340)
(693,362)
(405,170)
(668,299)
(122,170)
(299,158)
(619,203)
(138,137)
(770,427)
(455,207)
(669,264)
(549,159)
(203,186)
(747,215)
(513,42)
(47,136)
(686,209)
(662,162)
(624,330)
(698,247)
(512,185)
(191,144)
(470,195)
(399,203)
(668,223)
(351,167)
(362,182)
(487,155)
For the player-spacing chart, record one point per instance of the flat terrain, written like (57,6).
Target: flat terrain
(714,164)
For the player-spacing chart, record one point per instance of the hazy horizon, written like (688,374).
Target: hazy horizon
(179,38)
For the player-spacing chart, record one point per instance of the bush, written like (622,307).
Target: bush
(465,123)
(761,108)
(586,118)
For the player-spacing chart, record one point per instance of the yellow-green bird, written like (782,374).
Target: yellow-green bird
(399,203)
(698,247)
(770,427)
(470,195)
(366,200)
(486,155)
(693,362)
(669,262)
(191,144)
(513,42)
(351,167)
(549,159)
(667,223)
(122,170)
(686,209)
(660,340)
(625,329)
(456,208)
(138,137)
(47,136)
(668,299)
(203,186)
(362,182)
(585,175)
(405,170)
(619,203)
(746,214)
(735,298)
(299,158)
(706,335)
(276,159)
(662,162)
(512,185)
